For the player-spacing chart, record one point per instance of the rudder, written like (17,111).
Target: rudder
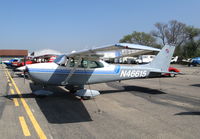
(163,58)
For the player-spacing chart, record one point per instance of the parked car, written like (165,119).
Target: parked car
(21,63)
(172,69)
(194,62)
(174,59)
(144,59)
(9,62)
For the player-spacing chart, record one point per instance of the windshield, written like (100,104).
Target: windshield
(60,59)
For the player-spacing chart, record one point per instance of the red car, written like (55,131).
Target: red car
(21,63)
(172,69)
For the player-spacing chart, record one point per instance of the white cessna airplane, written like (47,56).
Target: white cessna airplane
(85,67)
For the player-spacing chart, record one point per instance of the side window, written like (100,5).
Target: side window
(86,64)
(71,62)
(95,64)
(83,64)
(100,65)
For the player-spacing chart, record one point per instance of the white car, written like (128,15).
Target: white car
(145,59)
(174,59)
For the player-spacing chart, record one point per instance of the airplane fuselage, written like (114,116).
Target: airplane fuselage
(54,74)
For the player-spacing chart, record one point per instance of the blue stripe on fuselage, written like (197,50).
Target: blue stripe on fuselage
(66,71)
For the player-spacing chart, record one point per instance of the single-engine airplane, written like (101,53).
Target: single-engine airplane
(85,67)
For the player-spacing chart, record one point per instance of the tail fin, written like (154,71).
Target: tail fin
(163,58)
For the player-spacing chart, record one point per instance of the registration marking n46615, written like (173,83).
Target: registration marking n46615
(133,73)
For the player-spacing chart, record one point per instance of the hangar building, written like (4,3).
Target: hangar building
(6,54)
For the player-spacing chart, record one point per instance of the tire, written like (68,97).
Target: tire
(85,97)
(171,74)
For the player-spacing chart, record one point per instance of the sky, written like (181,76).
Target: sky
(66,25)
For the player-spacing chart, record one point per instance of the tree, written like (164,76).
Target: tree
(192,45)
(160,32)
(127,39)
(172,33)
(192,33)
(140,38)
(180,35)
(185,38)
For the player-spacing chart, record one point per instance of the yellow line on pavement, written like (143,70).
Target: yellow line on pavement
(14,99)
(6,75)
(16,102)
(12,91)
(28,111)
(24,126)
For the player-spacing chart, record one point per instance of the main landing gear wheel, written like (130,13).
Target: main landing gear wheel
(85,97)
(72,91)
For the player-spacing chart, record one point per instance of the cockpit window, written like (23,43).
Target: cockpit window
(72,62)
(58,58)
(61,60)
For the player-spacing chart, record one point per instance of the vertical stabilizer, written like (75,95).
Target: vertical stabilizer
(163,58)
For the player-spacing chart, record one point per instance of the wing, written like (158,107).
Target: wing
(135,53)
(93,52)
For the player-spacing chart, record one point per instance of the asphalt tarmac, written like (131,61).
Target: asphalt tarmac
(164,108)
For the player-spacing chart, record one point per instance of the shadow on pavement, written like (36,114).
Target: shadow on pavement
(59,108)
(189,113)
(196,85)
(137,89)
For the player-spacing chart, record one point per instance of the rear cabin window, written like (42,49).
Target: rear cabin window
(86,64)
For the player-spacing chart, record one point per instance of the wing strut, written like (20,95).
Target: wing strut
(65,82)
